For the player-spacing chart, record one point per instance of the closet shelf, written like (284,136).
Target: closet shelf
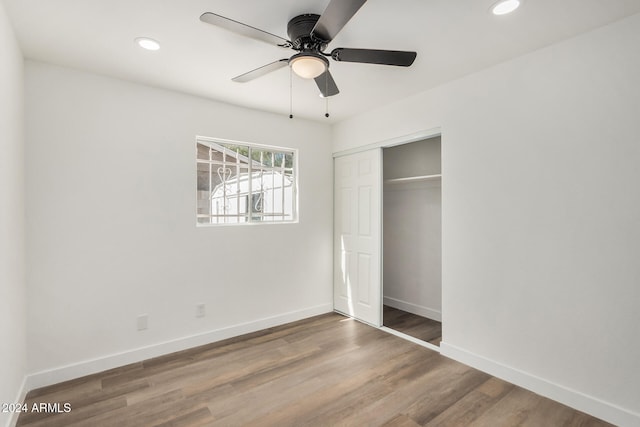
(413,179)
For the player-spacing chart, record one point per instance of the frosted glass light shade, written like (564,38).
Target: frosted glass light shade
(308,66)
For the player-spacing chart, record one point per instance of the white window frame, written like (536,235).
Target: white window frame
(250,217)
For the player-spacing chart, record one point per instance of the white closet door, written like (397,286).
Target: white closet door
(357,288)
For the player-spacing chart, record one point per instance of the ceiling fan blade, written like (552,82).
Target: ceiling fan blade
(374,56)
(243,29)
(261,71)
(334,17)
(326,84)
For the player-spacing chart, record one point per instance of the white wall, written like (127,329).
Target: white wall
(111,185)
(541,230)
(12,250)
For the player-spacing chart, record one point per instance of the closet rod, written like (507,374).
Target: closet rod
(412,179)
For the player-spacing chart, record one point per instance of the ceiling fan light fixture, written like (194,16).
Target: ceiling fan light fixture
(308,65)
(147,43)
(504,7)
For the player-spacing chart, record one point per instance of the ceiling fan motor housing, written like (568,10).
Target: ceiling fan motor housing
(299,30)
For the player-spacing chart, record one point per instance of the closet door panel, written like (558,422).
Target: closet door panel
(364,276)
(357,236)
(364,211)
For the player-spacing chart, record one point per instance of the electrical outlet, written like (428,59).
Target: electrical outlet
(200,310)
(143,322)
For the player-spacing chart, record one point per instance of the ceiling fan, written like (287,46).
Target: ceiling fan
(309,36)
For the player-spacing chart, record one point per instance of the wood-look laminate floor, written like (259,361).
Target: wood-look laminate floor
(323,371)
(413,325)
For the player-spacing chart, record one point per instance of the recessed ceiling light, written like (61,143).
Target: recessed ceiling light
(147,43)
(505,6)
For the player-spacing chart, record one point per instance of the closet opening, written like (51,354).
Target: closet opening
(412,240)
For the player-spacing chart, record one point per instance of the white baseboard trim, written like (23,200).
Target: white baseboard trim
(573,398)
(22,394)
(427,312)
(88,367)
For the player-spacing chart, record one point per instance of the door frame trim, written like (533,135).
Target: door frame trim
(392,142)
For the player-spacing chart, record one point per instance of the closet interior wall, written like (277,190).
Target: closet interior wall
(412,228)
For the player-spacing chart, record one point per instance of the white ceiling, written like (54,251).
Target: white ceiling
(452,37)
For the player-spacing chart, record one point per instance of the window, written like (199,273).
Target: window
(241,183)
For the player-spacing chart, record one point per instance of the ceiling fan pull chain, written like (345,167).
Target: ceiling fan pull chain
(290,93)
(326,90)
(326,103)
